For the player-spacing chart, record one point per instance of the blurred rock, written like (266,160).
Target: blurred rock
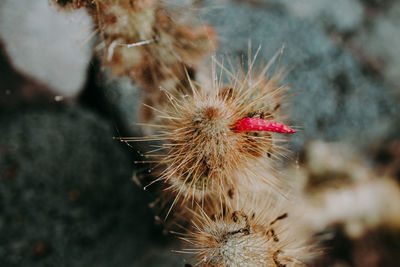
(126,99)
(17,89)
(343,15)
(379,40)
(349,201)
(47,44)
(66,198)
(340,188)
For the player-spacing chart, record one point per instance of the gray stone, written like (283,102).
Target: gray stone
(380,42)
(66,197)
(343,15)
(48,44)
(125,98)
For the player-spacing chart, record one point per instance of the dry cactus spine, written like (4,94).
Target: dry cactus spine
(220,139)
(257,232)
(144,40)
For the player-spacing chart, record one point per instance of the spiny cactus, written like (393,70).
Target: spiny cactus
(218,138)
(145,41)
(255,232)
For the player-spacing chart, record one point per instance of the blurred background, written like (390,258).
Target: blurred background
(68,195)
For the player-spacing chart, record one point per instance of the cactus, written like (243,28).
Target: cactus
(219,140)
(254,231)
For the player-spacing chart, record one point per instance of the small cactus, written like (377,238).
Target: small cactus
(210,142)
(256,232)
(219,140)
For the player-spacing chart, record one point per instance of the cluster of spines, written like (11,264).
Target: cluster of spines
(141,39)
(222,138)
(219,140)
(220,144)
(254,232)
